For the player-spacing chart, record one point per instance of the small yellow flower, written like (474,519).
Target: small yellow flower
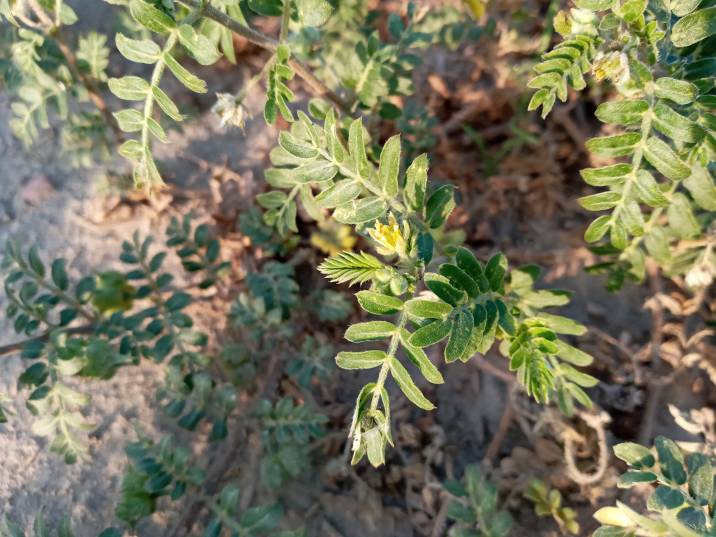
(389,237)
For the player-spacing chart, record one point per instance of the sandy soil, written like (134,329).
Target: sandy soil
(44,201)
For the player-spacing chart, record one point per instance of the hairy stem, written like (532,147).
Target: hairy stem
(157,73)
(285,19)
(385,368)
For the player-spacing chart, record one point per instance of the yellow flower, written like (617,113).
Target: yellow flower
(389,238)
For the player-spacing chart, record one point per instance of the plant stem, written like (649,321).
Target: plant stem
(15,347)
(154,82)
(385,368)
(285,19)
(268,43)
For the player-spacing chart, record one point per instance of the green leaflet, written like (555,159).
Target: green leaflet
(460,333)
(199,46)
(360,360)
(701,187)
(316,171)
(628,112)
(618,145)
(150,17)
(420,359)
(468,263)
(495,271)
(694,27)
(369,331)
(136,50)
(675,126)
(407,386)
(439,206)
(678,91)
(191,81)
(427,309)
(166,104)
(648,191)
(598,228)
(378,303)
(390,165)
(664,159)
(338,194)
(356,148)
(442,287)
(416,180)
(431,333)
(295,147)
(607,175)
(460,279)
(601,201)
(129,88)
(361,211)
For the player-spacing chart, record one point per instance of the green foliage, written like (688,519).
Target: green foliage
(475,508)
(470,305)
(682,501)
(160,470)
(287,430)
(133,88)
(278,94)
(548,503)
(140,314)
(311,363)
(51,78)
(661,198)
(199,251)
(128,316)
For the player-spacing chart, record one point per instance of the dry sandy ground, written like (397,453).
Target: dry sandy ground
(59,220)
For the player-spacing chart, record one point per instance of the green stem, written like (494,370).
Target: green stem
(285,19)
(650,223)
(157,73)
(255,80)
(58,10)
(385,368)
(636,159)
(268,43)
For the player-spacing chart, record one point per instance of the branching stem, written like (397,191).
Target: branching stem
(268,43)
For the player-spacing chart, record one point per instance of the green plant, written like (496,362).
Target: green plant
(337,165)
(470,304)
(548,503)
(475,507)
(48,73)
(661,200)
(287,430)
(682,502)
(104,321)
